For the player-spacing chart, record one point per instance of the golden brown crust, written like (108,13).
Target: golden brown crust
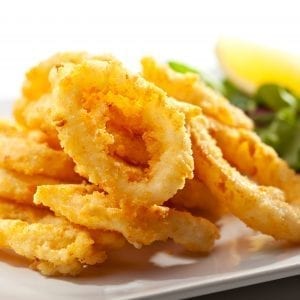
(189,88)
(260,207)
(140,225)
(88,97)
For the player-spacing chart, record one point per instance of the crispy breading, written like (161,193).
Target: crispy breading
(55,246)
(19,187)
(32,110)
(85,205)
(91,95)
(260,161)
(198,199)
(189,88)
(262,208)
(29,157)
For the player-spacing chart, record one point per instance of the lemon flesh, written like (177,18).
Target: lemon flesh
(249,65)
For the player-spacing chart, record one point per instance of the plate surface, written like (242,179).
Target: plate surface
(161,271)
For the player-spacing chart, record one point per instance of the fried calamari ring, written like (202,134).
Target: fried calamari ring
(32,110)
(260,162)
(19,187)
(54,249)
(260,207)
(28,157)
(93,97)
(56,246)
(12,129)
(26,213)
(140,225)
(189,88)
(104,239)
(37,116)
(197,199)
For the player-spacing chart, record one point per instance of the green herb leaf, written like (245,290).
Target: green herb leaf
(283,134)
(262,117)
(182,68)
(238,98)
(274,110)
(291,151)
(275,97)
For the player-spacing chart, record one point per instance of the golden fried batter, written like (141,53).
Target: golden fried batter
(140,225)
(260,207)
(89,98)
(189,88)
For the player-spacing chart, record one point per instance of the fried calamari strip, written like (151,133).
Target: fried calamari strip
(37,115)
(28,157)
(104,239)
(33,109)
(260,162)
(260,207)
(93,97)
(55,246)
(189,88)
(58,249)
(197,199)
(19,187)
(9,128)
(140,225)
(26,213)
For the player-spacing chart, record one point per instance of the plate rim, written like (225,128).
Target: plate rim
(267,274)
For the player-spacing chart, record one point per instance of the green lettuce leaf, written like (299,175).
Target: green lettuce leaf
(274,109)
(275,97)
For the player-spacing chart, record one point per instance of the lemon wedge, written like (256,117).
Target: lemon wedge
(249,65)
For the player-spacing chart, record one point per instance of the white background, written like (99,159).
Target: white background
(184,30)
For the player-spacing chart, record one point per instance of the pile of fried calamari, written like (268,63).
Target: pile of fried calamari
(97,157)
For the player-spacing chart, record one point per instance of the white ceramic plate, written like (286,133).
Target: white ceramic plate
(162,271)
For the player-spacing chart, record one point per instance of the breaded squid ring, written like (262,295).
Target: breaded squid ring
(189,88)
(93,97)
(19,187)
(260,161)
(140,225)
(26,156)
(55,246)
(71,248)
(260,207)
(104,239)
(32,110)
(198,199)
(9,128)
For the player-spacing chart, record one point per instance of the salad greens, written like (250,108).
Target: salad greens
(274,109)
(182,68)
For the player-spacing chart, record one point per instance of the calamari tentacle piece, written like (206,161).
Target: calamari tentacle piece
(32,110)
(29,157)
(19,187)
(260,207)
(93,97)
(140,225)
(260,162)
(189,88)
